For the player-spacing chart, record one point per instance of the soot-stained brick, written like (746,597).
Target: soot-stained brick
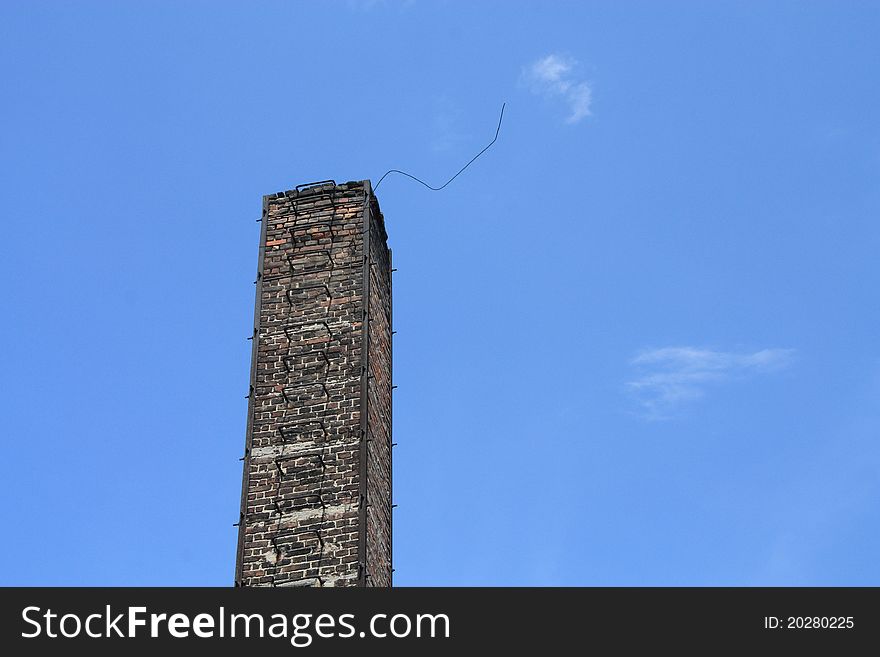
(316,490)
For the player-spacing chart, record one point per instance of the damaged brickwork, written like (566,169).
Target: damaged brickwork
(316,490)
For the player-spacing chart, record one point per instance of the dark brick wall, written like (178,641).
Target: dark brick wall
(378,448)
(316,491)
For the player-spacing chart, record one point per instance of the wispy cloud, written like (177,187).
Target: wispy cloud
(553,76)
(669,377)
(446,134)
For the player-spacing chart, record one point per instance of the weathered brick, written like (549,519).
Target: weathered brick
(316,492)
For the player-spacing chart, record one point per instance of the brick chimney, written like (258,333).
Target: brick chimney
(316,489)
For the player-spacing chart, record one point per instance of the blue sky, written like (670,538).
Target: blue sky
(637,340)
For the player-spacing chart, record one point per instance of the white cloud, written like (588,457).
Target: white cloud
(552,76)
(668,377)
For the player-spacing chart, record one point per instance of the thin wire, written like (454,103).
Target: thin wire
(437,189)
